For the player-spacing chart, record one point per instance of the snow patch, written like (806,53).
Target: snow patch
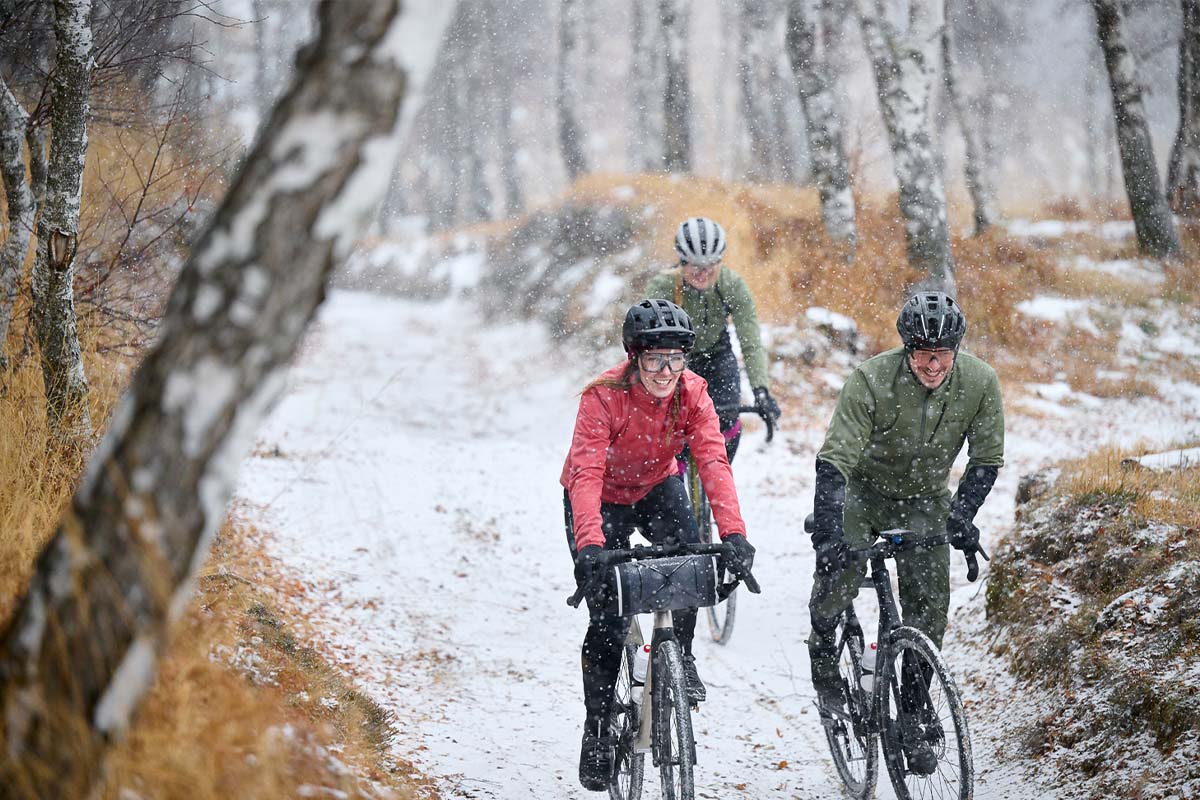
(129,683)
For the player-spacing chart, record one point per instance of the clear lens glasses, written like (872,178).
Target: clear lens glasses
(922,358)
(654,362)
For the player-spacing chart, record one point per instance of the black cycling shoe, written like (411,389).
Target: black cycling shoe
(830,701)
(918,750)
(596,757)
(695,689)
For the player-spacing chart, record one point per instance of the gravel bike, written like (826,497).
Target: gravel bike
(908,701)
(721,615)
(651,711)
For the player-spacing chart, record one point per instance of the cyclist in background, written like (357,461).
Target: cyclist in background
(900,422)
(711,294)
(620,474)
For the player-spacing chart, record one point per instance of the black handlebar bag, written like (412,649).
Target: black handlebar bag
(662,584)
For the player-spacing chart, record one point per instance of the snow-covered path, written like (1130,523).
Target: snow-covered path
(410,477)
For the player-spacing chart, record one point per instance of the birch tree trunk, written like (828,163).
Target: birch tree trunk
(904,61)
(569,133)
(831,170)
(677,104)
(13,122)
(978,176)
(1183,174)
(1151,216)
(66,385)
(82,647)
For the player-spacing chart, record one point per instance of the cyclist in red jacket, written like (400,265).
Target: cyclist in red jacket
(621,474)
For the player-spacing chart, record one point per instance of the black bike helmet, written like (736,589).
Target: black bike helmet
(931,321)
(657,323)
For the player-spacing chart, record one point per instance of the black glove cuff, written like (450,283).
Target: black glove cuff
(973,489)
(829,503)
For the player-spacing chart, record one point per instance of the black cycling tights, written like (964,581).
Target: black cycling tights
(720,368)
(662,516)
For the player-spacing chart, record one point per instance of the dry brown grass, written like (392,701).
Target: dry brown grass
(1171,496)
(242,709)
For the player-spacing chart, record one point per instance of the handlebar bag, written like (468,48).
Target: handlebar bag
(662,584)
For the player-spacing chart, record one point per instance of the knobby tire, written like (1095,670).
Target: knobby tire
(721,615)
(855,754)
(628,766)
(675,748)
(913,661)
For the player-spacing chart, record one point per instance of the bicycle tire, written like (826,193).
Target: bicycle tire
(628,765)
(851,741)
(720,616)
(674,743)
(915,663)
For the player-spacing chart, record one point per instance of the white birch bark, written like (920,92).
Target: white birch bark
(66,385)
(570,134)
(904,55)
(81,649)
(815,85)
(978,177)
(1183,174)
(677,103)
(1152,219)
(19,197)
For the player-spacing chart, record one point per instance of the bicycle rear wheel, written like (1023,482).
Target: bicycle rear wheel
(720,616)
(921,706)
(628,766)
(850,741)
(674,745)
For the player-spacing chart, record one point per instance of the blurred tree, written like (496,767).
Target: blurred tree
(966,105)
(815,85)
(756,55)
(646,84)
(81,649)
(1183,174)
(1151,216)
(677,103)
(570,134)
(903,51)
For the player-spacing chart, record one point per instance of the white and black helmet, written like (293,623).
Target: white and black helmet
(700,241)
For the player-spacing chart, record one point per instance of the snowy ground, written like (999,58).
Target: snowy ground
(410,475)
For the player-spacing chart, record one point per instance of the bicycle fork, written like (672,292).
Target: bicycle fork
(663,629)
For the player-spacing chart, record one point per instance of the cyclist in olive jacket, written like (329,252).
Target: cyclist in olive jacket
(711,293)
(900,422)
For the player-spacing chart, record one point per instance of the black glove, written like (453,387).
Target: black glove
(739,562)
(765,404)
(587,562)
(832,555)
(963,533)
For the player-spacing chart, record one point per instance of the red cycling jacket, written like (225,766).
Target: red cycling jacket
(621,450)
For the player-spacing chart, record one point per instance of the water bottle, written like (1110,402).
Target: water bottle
(641,656)
(869,655)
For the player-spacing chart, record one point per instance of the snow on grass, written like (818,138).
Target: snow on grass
(1051,228)
(1060,310)
(1139,270)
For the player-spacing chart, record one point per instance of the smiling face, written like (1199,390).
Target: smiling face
(699,277)
(931,366)
(659,370)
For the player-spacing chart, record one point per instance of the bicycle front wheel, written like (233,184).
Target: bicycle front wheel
(847,729)
(926,744)
(628,766)
(674,745)
(720,616)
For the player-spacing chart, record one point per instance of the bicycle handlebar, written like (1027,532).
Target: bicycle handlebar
(608,558)
(895,541)
(766,418)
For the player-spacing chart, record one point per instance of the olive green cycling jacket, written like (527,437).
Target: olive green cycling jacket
(901,439)
(729,296)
